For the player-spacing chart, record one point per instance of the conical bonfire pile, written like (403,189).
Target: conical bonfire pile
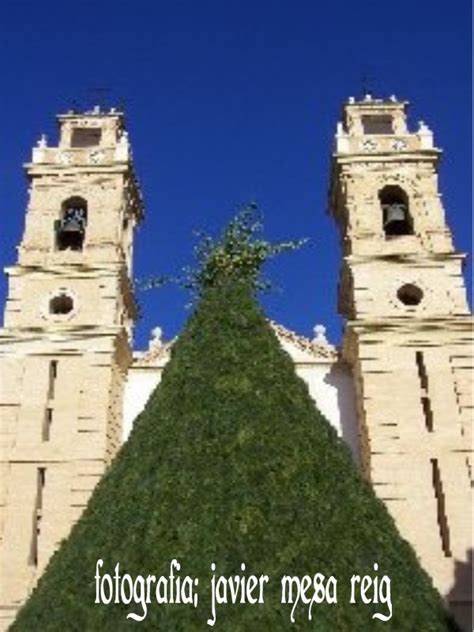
(230,463)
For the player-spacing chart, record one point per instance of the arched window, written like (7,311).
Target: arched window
(395,211)
(71,228)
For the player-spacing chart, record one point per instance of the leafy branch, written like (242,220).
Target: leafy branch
(239,253)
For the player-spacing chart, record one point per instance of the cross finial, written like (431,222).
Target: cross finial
(99,95)
(367,85)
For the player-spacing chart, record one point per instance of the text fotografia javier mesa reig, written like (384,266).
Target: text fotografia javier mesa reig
(308,590)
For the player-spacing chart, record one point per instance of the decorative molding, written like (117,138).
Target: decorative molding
(318,348)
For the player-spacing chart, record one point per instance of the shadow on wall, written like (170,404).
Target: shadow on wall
(340,378)
(460,595)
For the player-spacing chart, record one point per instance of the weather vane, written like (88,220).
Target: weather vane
(368,84)
(99,95)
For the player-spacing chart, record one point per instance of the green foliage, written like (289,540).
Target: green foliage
(238,253)
(231,462)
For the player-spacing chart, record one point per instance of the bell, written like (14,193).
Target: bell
(395,218)
(73,221)
(72,225)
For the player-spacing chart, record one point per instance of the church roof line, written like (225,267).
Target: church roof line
(318,347)
(158,351)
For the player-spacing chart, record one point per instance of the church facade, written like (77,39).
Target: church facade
(398,391)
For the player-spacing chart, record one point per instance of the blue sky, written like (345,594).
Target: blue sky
(229,102)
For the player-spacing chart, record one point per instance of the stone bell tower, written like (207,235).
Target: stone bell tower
(65,345)
(408,334)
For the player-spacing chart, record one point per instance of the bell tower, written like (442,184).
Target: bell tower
(408,334)
(66,342)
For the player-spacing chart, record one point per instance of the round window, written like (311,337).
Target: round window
(61,304)
(410,294)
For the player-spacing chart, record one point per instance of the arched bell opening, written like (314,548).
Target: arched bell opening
(71,227)
(396,216)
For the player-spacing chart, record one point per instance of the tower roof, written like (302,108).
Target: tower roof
(379,126)
(95,112)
